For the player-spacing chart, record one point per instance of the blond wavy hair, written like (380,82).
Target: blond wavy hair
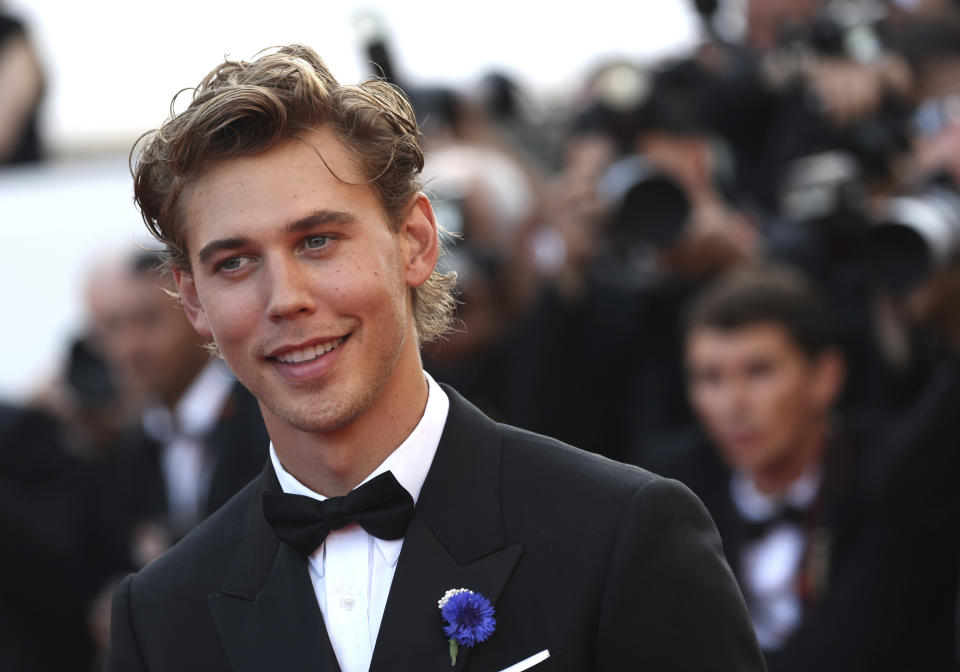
(242,108)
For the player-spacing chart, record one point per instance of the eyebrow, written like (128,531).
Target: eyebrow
(317,218)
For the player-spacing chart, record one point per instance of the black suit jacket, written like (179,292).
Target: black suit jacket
(883,590)
(45,516)
(607,566)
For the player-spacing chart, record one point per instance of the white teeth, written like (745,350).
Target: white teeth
(308,353)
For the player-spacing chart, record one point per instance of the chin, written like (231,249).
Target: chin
(332,412)
(316,420)
(748,459)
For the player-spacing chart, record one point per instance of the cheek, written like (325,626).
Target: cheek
(703,402)
(232,318)
(379,305)
(710,406)
(232,324)
(376,284)
(781,406)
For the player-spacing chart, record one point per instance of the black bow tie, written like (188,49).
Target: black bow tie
(754,530)
(381,507)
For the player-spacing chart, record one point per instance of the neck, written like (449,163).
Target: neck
(777,477)
(334,462)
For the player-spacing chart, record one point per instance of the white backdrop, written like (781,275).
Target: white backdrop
(114,65)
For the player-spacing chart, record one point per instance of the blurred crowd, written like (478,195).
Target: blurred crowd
(737,267)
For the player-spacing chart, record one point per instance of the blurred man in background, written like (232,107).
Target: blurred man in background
(835,577)
(197,436)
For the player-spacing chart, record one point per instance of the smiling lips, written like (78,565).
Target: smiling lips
(309,353)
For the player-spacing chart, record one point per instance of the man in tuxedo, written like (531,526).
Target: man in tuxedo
(305,250)
(837,575)
(196,438)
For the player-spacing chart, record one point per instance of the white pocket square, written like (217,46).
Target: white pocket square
(527,663)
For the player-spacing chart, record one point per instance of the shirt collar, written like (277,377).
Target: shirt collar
(409,462)
(757,506)
(197,410)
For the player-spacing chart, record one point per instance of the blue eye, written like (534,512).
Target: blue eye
(232,263)
(316,242)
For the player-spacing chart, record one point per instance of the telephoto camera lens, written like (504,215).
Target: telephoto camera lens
(647,206)
(917,235)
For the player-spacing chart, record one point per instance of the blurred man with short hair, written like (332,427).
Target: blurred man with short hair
(196,438)
(833,576)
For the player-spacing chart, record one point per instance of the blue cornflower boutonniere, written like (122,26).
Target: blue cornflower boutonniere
(469,618)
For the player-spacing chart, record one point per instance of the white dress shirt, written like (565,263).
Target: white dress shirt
(352,570)
(187,464)
(769,565)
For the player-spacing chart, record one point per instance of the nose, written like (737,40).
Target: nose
(289,289)
(735,398)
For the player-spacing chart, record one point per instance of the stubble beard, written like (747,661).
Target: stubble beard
(322,410)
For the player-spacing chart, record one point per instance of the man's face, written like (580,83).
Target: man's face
(300,281)
(145,337)
(757,394)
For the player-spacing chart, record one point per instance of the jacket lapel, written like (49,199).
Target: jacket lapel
(455,540)
(267,613)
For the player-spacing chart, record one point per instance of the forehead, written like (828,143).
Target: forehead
(712,345)
(275,187)
(130,294)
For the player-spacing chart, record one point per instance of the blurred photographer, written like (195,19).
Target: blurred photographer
(637,218)
(816,106)
(913,239)
(810,76)
(488,205)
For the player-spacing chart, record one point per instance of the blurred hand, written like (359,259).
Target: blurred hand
(849,91)
(149,541)
(936,153)
(716,238)
(935,307)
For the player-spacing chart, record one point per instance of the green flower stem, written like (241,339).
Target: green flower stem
(454,649)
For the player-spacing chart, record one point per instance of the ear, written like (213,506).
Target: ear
(830,376)
(421,245)
(191,303)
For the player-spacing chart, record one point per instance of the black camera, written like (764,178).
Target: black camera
(917,235)
(648,207)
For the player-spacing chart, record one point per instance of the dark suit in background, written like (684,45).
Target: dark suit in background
(136,490)
(606,566)
(882,600)
(46,515)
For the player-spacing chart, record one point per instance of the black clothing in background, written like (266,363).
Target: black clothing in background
(567,369)
(238,445)
(46,524)
(603,372)
(891,581)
